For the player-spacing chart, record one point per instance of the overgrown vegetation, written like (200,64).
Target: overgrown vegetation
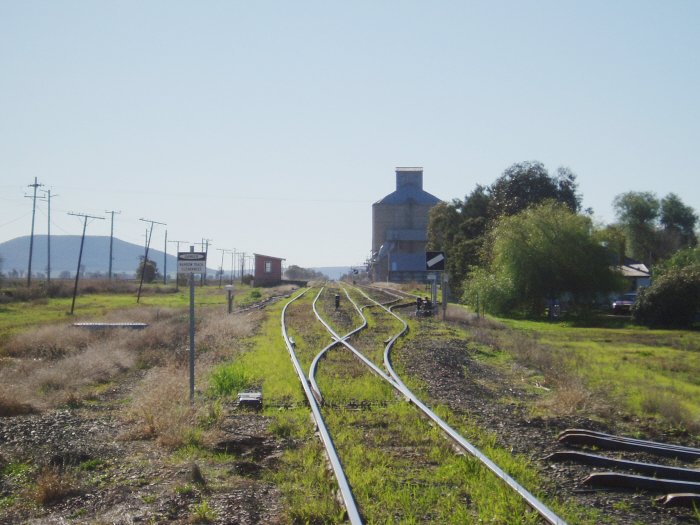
(508,251)
(598,371)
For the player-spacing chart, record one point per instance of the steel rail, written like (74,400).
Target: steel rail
(314,364)
(647,469)
(378,371)
(616,444)
(531,500)
(625,439)
(343,485)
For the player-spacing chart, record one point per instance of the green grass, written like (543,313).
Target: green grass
(20,315)
(653,372)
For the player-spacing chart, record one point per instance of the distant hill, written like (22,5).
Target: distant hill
(14,256)
(64,256)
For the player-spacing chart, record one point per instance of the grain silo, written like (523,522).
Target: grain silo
(400,229)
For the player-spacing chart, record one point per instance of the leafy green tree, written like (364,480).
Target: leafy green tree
(683,258)
(150,272)
(299,273)
(613,238)
(543,253)
(528,183)
(678,221)
(458,229)
(637,213)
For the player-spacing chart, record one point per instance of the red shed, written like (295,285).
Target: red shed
(268,270)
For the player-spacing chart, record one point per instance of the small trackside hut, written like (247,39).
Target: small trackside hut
(268,270)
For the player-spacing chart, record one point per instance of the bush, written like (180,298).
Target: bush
(672,300)
(229,380)
(489,292)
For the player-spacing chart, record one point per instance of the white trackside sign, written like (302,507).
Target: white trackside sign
(191,262)
(435,261)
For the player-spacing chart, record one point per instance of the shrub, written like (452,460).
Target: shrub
(672,300)
(487,291)
(53,486)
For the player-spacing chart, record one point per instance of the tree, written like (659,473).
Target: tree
(458,229)
(678,221)
(683,258)
(528,183)
(637,213)
(150,272)
(543,253)
(297,272)
(613,238)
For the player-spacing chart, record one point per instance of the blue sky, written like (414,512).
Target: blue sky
(272,127)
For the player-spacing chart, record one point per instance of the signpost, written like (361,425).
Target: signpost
(191,263)
(435,262)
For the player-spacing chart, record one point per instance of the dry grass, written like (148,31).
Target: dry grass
(161,410)
(49,342)
(39,385)
(160,407)
(11,406)
(218,334)
(53,486)
(58,365)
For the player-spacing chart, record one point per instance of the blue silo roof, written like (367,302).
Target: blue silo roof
(409,194)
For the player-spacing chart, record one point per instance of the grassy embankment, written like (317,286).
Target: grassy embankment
(651,373)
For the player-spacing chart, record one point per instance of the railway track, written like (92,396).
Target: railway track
(388,376)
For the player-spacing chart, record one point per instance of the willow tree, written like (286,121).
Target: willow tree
(545,252)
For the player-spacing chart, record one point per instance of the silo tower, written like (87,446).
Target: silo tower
(400,229)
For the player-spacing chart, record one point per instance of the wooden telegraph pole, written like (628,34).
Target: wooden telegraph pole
(80,255)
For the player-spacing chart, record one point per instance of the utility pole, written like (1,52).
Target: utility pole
(242,265)
(149,234)
(221,268)
(177,275)
(111,240)
(165,259)
(48,237)
(31,237)
(80,255)
(233,256)
(205,247)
